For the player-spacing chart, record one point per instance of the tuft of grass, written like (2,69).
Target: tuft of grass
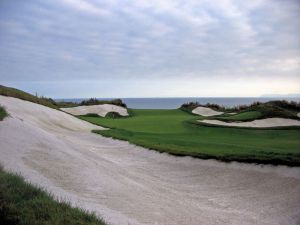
(177,132)
(3,113)
(22,204)
(13,92)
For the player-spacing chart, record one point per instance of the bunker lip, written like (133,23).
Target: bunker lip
(205,111)
(261,123)
(100,110)
(127,184)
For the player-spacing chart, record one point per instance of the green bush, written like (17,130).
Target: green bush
(113,115)
(3,113)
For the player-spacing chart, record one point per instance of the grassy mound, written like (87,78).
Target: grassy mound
(243,116)
(281,109)
(176,132)
(22,204)
(113,115)
(3,113)
(256,110)
(16,93)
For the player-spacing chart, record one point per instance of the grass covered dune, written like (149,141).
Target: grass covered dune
(177,132)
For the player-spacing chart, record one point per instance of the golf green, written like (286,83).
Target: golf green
(178,133)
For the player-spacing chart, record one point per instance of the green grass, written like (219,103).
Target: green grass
(3,113)
(243,116)
(16,93)
(177,132)
(23,204)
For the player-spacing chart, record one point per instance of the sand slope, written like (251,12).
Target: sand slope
(269,122)
(204,111)
(131,185)
(101,110)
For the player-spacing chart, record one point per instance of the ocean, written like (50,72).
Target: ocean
(173,103)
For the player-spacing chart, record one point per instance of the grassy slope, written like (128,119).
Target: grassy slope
(243,116)
(173,131)
(23,204)
(13,92)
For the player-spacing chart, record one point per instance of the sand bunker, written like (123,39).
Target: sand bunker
(270,122)
(204,111)
(101,110)
(127,184)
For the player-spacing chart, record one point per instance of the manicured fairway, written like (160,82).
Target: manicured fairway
(176,132)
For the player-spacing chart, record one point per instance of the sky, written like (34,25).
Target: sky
(155,48)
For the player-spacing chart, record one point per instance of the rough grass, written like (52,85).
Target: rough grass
(13,92)
(3,113)
(176,132)
(23,204)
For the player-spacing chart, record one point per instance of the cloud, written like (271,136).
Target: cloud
(85,6)
(67,40)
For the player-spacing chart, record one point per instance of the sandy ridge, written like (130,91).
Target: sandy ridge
(127,184)
(204,111)
(101,110)
(263,123)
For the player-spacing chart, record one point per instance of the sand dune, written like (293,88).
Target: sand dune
(127,184)
(269,122)
(204,111)
(101,110)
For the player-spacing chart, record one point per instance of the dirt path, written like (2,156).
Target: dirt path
(131,185)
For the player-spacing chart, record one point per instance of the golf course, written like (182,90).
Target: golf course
(50,152)
(149,112)
(177,132)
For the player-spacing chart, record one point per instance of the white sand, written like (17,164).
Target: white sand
(131,185)
(232,113)
(101,110)
(269,122)
(204,111)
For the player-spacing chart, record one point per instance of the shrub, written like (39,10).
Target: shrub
(3,113)
(113,115)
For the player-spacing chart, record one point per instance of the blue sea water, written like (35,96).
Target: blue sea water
(173,103)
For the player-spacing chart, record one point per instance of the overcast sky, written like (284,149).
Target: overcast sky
(155,48)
